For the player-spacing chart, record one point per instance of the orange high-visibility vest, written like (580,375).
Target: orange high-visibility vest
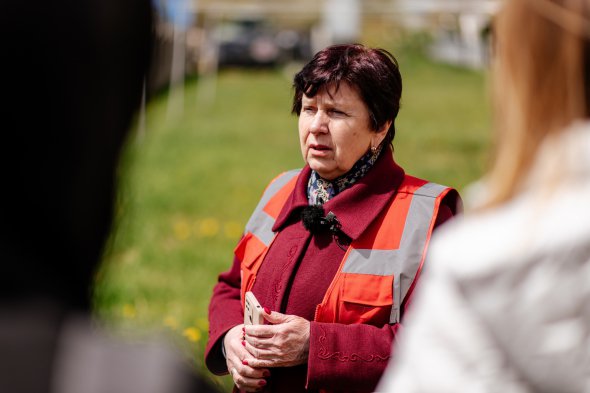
(379,268)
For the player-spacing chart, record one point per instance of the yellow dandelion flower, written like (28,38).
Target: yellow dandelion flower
(192,334)
(209,227)
(171,322)
(129,311)
(182,230)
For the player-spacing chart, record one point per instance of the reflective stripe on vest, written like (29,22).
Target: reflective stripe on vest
(270,205)
(378,269)
(258,235)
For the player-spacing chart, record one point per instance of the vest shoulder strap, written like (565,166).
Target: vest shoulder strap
(273,199)
(395,244)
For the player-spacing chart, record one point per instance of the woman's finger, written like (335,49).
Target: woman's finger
(263,364)
(284,344)
(275,317)
(246,370)
(260,331)
(246,383)
(260,343)
(263,354)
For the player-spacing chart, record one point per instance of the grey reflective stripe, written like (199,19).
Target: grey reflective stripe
(430,189)
(260,223)
(404,262)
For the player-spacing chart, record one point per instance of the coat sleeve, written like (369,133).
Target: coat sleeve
(225,312)
(354,357)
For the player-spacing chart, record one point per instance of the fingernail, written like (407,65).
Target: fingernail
(243,329)
(267,310)
(266,373)
(262,382)
(244,343)
(245,362)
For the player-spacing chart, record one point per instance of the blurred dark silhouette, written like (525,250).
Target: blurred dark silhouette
(72,78)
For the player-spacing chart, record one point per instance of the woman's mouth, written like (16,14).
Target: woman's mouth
(318,147)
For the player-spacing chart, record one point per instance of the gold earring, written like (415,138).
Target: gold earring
(373,149)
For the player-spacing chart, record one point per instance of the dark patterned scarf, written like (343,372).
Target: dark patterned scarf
(320,191)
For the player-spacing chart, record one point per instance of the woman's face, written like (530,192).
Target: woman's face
(334,130)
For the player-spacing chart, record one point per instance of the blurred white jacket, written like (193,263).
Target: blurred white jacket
(505,306)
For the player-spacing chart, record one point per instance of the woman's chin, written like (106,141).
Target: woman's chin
(327,173)
(318,166)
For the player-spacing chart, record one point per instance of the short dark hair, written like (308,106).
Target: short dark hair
(373,72)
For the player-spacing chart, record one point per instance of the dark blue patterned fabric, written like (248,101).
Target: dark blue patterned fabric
(320,191)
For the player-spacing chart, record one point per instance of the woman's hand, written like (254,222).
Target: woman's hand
(284,343)
(245,376)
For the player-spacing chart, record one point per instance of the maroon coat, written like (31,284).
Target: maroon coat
(294,277)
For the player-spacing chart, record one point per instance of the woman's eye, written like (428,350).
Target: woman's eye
(308,109)
(337,112)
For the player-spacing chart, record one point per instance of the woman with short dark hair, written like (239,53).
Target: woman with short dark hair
(332,251)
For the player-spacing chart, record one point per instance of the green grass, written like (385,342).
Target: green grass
(190,182)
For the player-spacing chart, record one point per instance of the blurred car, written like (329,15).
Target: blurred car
(253,42)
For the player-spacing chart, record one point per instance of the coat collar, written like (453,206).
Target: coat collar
(356,207)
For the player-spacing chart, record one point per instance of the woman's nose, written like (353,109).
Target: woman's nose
(319,122)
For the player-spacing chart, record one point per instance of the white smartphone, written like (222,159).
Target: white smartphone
(252,310)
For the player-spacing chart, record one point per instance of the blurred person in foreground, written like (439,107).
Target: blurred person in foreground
(72,75)
(333,250)
(505,305)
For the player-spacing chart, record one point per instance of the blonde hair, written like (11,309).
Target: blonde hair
(540,83)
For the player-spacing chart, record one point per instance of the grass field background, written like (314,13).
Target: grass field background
(191,180)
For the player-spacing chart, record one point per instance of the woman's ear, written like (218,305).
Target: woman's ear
(381,134)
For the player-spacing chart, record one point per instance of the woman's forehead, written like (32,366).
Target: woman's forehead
(334,92)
